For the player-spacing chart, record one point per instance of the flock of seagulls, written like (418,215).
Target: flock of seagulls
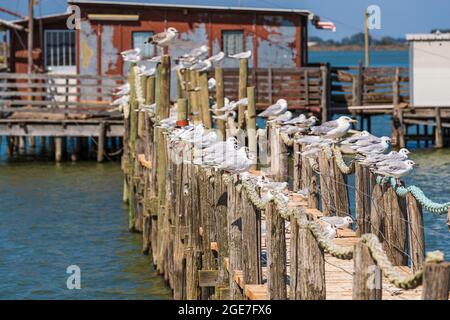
(205,148)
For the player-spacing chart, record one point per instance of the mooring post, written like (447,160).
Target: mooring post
(218,73)
(58,149)
(439,138)
(416,233)
(276,254)
(311,267)
(326,184)
(141,115)
(251,125)
(101,142)
(367,275)
(182,113)
(204,99)
(362,198)
(436,281)
(297,174)
(340,187)
(242,93)
(194,107)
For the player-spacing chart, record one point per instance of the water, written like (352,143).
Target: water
(53,216)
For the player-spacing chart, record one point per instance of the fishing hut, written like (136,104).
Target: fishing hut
(212,234)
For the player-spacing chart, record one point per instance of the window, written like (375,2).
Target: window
(232,41)
(59,48)
(139,39)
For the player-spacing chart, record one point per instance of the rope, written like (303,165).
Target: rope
(388,269)
(345,169)
(419,195)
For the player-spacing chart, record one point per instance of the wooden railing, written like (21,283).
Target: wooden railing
(360,86)
(301,87)
(57,91)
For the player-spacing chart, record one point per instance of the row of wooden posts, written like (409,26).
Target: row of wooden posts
(64,148)
(205,235)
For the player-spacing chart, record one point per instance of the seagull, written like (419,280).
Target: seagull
(292,129)
(143,71)
(281,118)
(241,55)
(132,55)
(155,59)
(376,148)
(401,155)
(122,100)
(274,110)
(217,58)
(372,159)
(396,169)
(147,108)
(202,65)
(198,52)
(300,119)
(329,231)
(163,39)
(334,129)
(339,222)
(122,90)
(211,83)
(225,116)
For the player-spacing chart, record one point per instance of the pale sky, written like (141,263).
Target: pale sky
(398,17)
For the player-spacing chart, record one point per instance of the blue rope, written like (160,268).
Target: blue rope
(425,202)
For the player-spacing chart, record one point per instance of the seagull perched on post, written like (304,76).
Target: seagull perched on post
(334,129)
(241,55)
(275,110)
(202,65)
(339,222)
(217,57)
(163,39)
(396,169)
(132,55)
(281,118)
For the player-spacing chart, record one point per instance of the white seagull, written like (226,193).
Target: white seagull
(202,65)
(163,39)
(274,110)
(281,118)
(132,55)
(241,55)
(396,169)
(217,57)
(334,129)
(339,222)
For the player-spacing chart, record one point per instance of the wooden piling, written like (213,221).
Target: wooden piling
(58,149)
(326,183)
(218,73)
(101,142)
(439,138)
(311,265)
(367,275)
(340,190)
(276,254)
(436,281)
(416,233)
(204,99)
(362,198)
(242,93)
(251,125)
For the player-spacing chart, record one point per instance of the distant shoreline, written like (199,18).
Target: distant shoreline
(358,48)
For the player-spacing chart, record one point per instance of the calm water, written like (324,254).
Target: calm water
(53,216)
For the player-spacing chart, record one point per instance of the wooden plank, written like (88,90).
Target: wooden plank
(207,278)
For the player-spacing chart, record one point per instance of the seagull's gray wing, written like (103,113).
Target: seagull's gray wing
(325,127)
(157,37)
(332,220)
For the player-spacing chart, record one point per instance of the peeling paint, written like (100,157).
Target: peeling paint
(110,54)
(88,59)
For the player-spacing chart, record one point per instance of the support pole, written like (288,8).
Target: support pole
(243,80)
(251,125)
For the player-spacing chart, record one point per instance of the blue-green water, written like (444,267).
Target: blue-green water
(53,216)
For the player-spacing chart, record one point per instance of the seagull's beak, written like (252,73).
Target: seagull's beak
(353,121)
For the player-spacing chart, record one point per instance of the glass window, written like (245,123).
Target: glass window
(139,41)
(59,48)
(232,41)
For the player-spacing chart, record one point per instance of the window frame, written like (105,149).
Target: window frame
(143,31)
(223,31)
(59,55)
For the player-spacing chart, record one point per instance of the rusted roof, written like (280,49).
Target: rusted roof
(189,6)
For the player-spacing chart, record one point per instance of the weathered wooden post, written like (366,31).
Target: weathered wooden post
(220,100)
(58,149)
(311,267)
(416,232)
(436,281)
(242,93)
(297,175)
(362,198)
(251,125)
(251,241)
(204,99)
(395,227)
(324,70)
(377,213)
(101,141)
(194,107)
(340,189)
(278,155)
(182,113)
(367,275)
(439,137)
(326,184)
(276,254)
(234,222)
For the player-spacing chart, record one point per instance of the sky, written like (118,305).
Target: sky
(398,17)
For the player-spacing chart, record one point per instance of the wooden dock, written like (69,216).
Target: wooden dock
(212,236)
(60,110)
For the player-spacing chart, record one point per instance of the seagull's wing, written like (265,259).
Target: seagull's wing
(271,110)
(156,38)
(332,220)
(325,127)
